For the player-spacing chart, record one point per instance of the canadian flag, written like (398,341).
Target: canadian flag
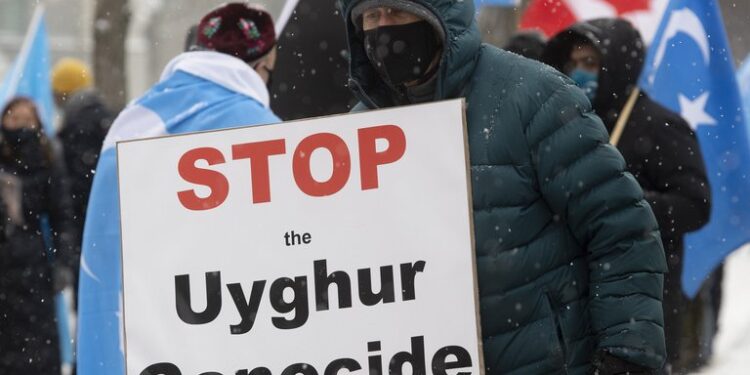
(552,16)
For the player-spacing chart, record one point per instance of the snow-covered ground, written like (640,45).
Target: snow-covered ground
(732,347)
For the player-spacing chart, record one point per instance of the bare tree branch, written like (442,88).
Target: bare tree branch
(111,21)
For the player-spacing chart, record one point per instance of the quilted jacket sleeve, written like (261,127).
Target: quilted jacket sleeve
(583,179)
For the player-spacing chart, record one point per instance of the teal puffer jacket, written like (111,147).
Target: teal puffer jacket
(569,258)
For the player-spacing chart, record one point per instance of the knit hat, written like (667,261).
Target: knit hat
(242,30)
(70,75)
(405,5)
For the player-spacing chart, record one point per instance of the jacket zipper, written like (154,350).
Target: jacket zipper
(559,332)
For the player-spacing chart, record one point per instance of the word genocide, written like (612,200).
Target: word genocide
(452,357)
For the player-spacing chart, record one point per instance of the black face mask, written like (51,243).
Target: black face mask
(19,136)
(402,53)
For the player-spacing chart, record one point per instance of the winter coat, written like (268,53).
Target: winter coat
(660,149)
(569,260)
(198,91)
(310,77)
(28,328)
(85,124)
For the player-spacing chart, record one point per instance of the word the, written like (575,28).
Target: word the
(291,239)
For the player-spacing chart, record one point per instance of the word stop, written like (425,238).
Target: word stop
(259,153)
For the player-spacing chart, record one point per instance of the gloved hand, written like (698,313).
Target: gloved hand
(607,364)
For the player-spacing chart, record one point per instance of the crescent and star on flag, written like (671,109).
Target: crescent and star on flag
(685,21)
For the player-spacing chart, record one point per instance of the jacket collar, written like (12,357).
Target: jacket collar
(224,70)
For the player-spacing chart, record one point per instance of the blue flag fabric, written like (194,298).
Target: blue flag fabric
(199,91)
(743,79)
(29,74)
(689,70)
(501,3)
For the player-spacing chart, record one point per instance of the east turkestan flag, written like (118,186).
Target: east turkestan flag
(689,70)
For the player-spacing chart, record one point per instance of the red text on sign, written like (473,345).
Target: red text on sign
(259,154)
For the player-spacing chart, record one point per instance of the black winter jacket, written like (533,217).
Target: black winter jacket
(85,124)
(569,259)
(28,330)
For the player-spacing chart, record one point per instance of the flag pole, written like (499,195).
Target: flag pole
(286,14)
(622,120)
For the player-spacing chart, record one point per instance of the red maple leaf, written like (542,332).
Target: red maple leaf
(552,16)
(549,16)
(627,6)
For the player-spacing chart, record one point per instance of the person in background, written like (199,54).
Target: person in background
(38,245)
(569,260)
(85,122)
(529,44)
(312,56)
(605,57)
(220,83)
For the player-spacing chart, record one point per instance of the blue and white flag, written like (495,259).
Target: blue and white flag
(501,3)
(689,70)
(29,74)
(198,91)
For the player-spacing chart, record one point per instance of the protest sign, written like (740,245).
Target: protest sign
(324,246)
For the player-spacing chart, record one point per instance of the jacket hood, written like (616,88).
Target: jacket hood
(460,51)
(224,70)
(622,51)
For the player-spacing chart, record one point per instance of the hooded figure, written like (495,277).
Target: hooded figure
(659,147)
(569,258)
(86,120)
(529,44)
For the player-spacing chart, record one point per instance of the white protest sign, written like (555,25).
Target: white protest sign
(327,246)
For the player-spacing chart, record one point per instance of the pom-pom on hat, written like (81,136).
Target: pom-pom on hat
(242,30)
(70,75)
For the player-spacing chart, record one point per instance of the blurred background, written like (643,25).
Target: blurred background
(153,31)
(129,42)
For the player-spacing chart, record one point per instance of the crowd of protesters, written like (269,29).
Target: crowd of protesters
(583,169)
(45,185)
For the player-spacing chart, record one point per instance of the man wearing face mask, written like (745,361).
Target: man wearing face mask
(604,57)
(405,51)
(220,83)
(569,259)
